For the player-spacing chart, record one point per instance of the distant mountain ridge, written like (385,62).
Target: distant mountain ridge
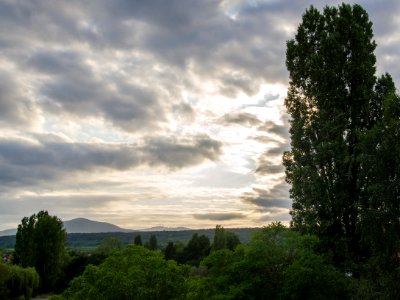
(163,228)
(83,225)
(8,232)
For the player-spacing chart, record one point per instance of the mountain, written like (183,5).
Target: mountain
(82,225)
(8,232)
(162,228)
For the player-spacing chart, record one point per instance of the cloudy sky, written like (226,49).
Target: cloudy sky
(156,112)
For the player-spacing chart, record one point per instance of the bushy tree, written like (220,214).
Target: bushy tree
(25,247)
(138,240)
(268,267)
(224,239)
(108,245)
(334,101)
(152,244)
(40,243)
(133,273)
(170,252)
(196,249)
(381,208)
(232,240)
(219,238)
(17,282)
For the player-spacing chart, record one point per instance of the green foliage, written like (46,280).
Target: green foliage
(170,252)
(224,239)
(152,245)
(232,240)
(196,249)
(108,245)
(25,246)
(75,264)
(344,124)
(40,243)
(219,238)
(138,240)
(17,282)
(381,149)
(309,277)
(267,268)
(134,273)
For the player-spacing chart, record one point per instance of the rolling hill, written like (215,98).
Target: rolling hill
(83,225)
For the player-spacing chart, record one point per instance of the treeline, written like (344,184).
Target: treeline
(92,240)
(81,240)
(40,250)
(277,263)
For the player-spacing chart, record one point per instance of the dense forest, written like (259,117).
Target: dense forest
(344,170)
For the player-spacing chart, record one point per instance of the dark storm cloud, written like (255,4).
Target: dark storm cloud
(276,197)
(219,216)
(26,163)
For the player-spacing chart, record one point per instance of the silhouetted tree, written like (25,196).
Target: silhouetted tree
(334,100)
(138,240)
(196,249)
(45,237)
(232,240)
(219,238)
(170,252)
(153,245)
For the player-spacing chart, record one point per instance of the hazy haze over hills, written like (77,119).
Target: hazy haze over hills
(82,225)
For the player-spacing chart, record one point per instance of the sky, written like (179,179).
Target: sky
(148,113)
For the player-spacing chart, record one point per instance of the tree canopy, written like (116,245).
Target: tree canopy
(40,243)
(335,103)
(133,273)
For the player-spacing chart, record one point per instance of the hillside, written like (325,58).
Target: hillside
(8,232)
(82,225)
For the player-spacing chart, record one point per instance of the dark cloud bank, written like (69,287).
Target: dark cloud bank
(219,216)
(25,163)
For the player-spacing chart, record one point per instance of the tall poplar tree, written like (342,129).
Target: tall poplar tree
(333,100)
(381,158)
(40,243)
